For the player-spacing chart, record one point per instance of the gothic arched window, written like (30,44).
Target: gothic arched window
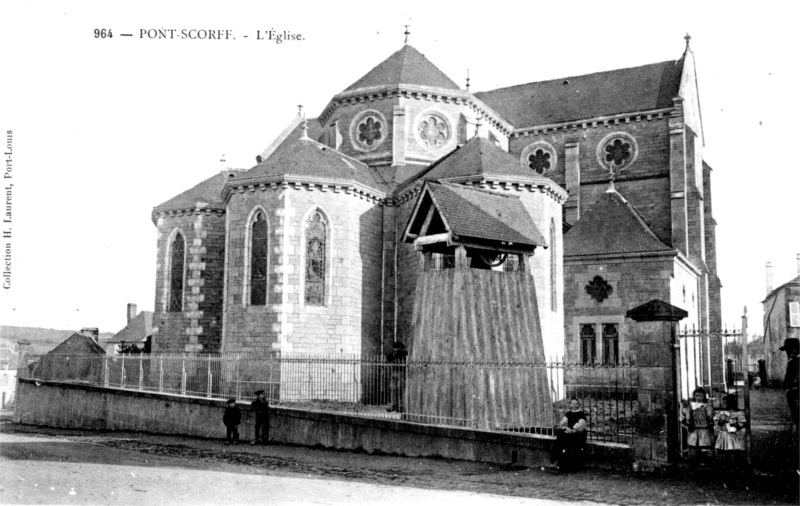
(176,263)
(316,253)
(553,275)
(259,250)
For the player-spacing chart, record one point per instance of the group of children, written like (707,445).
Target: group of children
(233,417)
(707,430)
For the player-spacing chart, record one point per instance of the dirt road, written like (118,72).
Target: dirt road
(51,466)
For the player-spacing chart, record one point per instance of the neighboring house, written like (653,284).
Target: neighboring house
(781,321)
(304,251)
(138,331)
(75,358)
(9,356)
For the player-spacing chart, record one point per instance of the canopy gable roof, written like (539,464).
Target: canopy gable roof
(470,213)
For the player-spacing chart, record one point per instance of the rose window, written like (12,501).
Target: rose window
(618,152)
(539,161)
(369,131)
(434,132)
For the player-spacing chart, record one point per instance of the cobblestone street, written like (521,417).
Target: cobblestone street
(416,478)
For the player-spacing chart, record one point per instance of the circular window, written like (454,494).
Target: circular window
(433,130)
(617,151)
(540,157)
(368,130)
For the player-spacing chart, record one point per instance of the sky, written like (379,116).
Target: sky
(104,129)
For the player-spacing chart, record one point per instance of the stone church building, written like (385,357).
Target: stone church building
(305,251)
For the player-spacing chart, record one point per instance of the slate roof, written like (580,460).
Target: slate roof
(794,281)
(136,330)
(208,191)
(406,66)
(77,344)
(611,226)
(479,156)
(470,212)
(588,96)
(307,158)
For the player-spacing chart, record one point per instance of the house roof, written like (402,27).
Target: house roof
(793,281)
(405,66)
(481,214)
(611,226)
(588,96)
(136,330)
(77,344)
(479,156)
(307,158)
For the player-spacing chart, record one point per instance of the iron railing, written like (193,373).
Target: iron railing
(527,397)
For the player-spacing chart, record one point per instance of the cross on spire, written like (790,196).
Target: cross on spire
(407,33)
(467,79)
(687,37)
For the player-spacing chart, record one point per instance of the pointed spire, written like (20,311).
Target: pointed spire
(406,33)
(467,79)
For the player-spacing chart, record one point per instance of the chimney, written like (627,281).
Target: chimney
(769,277)
(92,332)
(131,312)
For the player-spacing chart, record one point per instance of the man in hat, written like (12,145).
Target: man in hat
(790,382)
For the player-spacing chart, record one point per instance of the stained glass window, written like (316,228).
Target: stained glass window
(539,161)
(258,261)
(176,262)
(588,339)
(610,344)
(618,152)
(316,244)
(369,131)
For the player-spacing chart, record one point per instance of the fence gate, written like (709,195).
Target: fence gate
(717,361)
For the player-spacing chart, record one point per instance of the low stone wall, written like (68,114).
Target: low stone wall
(88,407)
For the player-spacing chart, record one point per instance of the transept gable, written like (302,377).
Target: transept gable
(612,226)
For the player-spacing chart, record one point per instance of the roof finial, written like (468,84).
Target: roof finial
(611,188)
(300,111)
(467,79)
(688,38)
(305,130)
(407,33)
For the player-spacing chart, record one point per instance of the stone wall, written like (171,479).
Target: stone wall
(198,328)
(95,408)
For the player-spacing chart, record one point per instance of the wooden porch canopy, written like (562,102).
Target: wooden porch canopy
(447,216)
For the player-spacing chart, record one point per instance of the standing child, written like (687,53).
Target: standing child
(698,417)
(231,419)
(261,408)
(730,441)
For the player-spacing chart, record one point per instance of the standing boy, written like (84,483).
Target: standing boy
(261,407)
(790,382)
(231,419)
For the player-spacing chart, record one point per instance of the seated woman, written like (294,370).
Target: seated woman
(570,438)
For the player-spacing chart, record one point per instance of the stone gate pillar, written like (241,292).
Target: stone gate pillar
(657,350)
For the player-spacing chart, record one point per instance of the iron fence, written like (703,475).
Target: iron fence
(527,397)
